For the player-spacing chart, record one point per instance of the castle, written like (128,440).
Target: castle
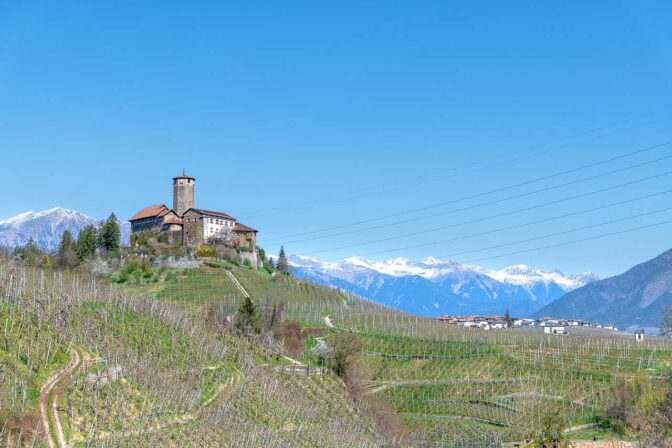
(191,226)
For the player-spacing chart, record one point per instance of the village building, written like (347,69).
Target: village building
(192,226)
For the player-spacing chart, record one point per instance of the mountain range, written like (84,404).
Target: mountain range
(432,287)
(47,227)
(634,299)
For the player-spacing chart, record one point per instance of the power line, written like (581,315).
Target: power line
(501,229)
(498,190)
(393,185)
(564,232)
(497,201)
(567,243)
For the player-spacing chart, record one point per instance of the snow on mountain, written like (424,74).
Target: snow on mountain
(46,227)
(525,276)
(432,286)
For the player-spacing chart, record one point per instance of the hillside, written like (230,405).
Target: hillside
(439,384)
(152,361)
(433,287)
(634,299)
(83,364)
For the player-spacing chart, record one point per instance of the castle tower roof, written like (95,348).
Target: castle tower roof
(184,175)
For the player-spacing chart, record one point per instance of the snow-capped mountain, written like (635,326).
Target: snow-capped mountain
(47,227)
(432,286)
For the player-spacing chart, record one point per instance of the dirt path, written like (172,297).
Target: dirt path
(237,284)
(45,397)
(50,394)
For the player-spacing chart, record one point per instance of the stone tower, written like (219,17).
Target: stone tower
(183,193)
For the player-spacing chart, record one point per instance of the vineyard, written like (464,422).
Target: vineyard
(84,364)
(145,367)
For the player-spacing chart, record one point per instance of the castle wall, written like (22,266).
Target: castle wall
(214,225)
(193,226)
(252,257)
(143,225)
(248,239)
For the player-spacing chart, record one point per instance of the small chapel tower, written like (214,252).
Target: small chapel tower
(183,193)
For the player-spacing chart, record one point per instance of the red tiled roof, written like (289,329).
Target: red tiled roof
(173,220)
(243,228)
(153,211)
(212,213)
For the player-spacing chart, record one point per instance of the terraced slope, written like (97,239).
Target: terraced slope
(159,375)
(116,369)
(451,386)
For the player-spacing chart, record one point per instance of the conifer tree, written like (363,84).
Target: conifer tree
(67,258)
(30,253)
(247,319)
(283,264)
(86,242)
(110,235)
(508,320)
(66,243)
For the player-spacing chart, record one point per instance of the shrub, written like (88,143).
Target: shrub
(344,351)
(551,434)
(231,256)
(134,271)
(205,251)
(18,426)
(294,339)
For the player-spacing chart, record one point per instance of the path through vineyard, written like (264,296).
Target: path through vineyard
(50,393)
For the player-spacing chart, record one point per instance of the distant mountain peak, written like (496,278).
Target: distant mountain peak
(399,279)
(47,226)
(634,299)
(26,216)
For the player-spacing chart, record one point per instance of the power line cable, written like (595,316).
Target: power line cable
(564,232)
(493,202)
(393,185)
(488,232)
(498,190)
(567,243)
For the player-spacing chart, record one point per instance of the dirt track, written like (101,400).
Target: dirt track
(45,395)
(49,396)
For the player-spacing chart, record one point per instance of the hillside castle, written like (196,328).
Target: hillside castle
(192,226)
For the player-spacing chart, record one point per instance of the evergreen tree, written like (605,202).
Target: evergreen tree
(283,264)
(86,243)
(30,253)
(247,319)
(269,265)
(66,244)
(508,320)
(110,236)
(67,258)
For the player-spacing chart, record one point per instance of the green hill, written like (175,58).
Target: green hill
(155,360)
(123,370)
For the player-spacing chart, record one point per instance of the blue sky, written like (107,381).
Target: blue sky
(301,116)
